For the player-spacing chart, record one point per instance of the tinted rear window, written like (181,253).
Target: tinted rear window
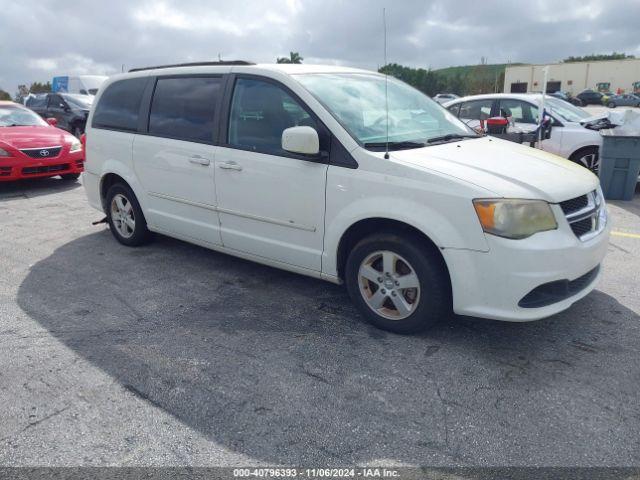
(184,108)
(119,105)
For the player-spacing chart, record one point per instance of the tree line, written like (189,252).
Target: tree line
(598,57)
(23,90)
(470,80)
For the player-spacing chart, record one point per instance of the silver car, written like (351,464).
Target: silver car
(443,98)
(624,100)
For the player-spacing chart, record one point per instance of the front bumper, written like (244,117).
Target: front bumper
(493,284)
(23,167)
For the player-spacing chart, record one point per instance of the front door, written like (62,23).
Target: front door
(525,117)
(57,108)
(271,203)
(175,160)
(475,112)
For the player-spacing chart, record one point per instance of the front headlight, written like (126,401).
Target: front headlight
(76,146)
(513,218)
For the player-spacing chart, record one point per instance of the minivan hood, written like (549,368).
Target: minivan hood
(505,169)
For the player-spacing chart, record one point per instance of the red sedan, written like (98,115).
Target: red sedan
(31,147)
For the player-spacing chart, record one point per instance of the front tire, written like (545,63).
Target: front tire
(398,283)
(125,217)
(611,105)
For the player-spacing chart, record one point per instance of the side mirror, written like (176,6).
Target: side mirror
(52,121)
(303,140)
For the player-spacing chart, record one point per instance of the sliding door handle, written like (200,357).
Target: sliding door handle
(200,160)
(230,166)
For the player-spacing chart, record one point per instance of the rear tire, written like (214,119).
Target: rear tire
(588,157)
(398,283)
(125,217)
(611,105)
(70,176)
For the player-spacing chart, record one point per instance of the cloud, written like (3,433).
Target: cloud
(43,38)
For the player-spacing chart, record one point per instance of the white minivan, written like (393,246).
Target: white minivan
(287,165)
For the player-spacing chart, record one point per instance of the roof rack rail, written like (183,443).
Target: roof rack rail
(194,64)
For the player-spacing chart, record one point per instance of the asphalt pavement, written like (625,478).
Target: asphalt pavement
(172,354)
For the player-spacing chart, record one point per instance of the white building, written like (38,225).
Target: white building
(605,76)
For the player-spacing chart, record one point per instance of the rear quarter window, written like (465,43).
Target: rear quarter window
(455,109)
(37,102)
(119,105)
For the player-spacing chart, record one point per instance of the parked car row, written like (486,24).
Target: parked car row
(621,100)
(611,100)
(584,98)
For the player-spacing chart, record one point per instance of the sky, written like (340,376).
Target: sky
(40,39)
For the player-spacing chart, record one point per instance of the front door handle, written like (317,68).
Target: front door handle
(200,160)
(230,166)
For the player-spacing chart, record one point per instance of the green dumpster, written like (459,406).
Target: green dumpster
(619,164)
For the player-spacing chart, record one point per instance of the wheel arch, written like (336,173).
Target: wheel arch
(367,226)
(575,154)
(108,179)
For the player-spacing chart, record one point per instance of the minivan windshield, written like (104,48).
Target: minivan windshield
(565,110)
(357,101)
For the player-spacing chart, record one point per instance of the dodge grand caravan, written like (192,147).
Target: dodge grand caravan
(303,168)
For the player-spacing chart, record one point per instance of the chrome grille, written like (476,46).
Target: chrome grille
(586,214)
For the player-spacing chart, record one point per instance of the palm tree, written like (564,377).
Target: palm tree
(294,57)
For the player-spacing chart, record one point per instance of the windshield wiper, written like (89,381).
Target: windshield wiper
(381,146)
(451,136)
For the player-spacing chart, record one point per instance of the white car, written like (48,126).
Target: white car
(286,165)
(443,98)
(569,139)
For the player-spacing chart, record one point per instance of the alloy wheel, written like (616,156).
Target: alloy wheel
(389,285)
(122,215)
(590,161)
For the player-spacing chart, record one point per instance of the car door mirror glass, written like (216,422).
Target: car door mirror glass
(303,140)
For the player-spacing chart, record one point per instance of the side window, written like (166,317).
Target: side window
(119,105)
(476,109)
(260,111)
(522,112)
(184,108)
(455,109)
(55,101)
(37,102)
